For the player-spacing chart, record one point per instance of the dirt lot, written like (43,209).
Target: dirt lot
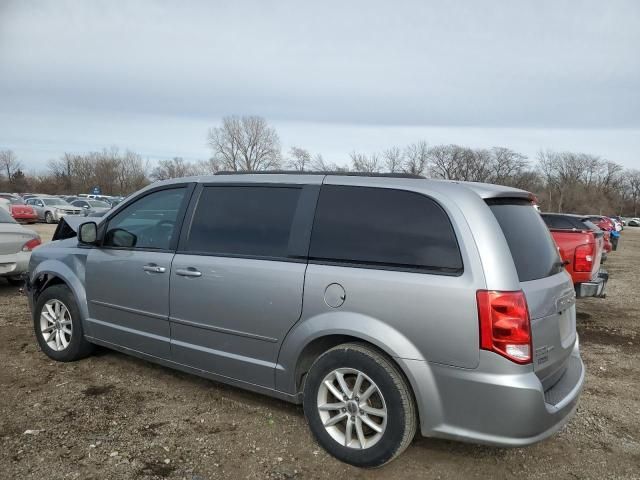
(112,416)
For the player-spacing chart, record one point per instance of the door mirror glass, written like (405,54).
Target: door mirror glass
(88,233)
(119,237)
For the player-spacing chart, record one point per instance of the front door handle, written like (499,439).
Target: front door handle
(153,268)
(188,272)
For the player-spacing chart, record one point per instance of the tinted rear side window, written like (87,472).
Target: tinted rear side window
(556,221)
(243,220)
(533,250)
(383,227)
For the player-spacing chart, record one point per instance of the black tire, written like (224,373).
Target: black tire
(401,411)
(78,346)
(15,281)
(48,217)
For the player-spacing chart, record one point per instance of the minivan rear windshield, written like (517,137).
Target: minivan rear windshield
(533,250)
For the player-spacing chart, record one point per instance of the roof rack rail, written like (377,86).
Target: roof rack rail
(323,172)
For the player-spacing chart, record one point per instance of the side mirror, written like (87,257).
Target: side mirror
(88,233)
(119,237)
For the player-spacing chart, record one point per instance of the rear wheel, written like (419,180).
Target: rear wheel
(48,217)
(58,327)
(359,406)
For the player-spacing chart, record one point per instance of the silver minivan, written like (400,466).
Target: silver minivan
(383,304)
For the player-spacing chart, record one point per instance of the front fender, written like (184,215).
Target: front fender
(72,277)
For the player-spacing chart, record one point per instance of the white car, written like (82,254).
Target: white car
(52,209)
(16,244)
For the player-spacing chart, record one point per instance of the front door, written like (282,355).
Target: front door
(237,279)
(127,278)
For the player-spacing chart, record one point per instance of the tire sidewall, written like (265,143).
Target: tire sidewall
(385,449)
(74,350)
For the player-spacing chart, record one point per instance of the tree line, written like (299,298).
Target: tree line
(562,181)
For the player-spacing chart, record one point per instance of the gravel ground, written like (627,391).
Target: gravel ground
(113,416)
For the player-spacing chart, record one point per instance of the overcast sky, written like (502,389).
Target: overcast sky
(331,76)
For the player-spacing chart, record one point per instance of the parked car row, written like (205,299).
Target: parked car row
(584,242)
(32,208)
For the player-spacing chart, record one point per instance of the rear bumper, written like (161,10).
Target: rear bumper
(26,218)
(594,288)
(501,409)
(15,264)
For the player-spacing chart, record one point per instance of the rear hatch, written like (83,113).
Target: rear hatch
(547,286)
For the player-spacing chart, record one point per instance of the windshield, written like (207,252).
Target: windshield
(5,217)
(16,201)
(98,204)
(54,201)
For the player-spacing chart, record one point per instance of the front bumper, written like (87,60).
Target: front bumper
(594,288)
(498,408)
(58,215)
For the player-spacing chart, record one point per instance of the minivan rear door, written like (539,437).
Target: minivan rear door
(547,286)
(238,276)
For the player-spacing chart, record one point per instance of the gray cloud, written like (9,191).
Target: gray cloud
(503,64)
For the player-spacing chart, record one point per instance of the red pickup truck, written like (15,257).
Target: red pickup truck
(581,247)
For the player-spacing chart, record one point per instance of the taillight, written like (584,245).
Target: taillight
(504,324)
(31,244)
(583,261)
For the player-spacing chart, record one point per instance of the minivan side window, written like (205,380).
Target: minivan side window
(380,227)
(149,222)
(252,221)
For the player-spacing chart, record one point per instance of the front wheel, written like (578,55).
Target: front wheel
(48,217)
(58,327)
(359,406)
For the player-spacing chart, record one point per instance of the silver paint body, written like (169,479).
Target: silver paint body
(13,261)
(41,208)
(247,322)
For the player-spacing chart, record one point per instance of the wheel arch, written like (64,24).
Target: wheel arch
(307,342)
(52,272)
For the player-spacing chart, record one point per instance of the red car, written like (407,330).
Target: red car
(607,226)
(23,213)
(581,247)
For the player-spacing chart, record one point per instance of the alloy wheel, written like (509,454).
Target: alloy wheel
(352,408)
(56,325)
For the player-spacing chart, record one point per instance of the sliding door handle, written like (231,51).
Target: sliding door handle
(188,272)
(153,268)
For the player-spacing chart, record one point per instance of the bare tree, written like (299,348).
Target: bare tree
(633,189)
(507,165)
(300,159)
(9,164)
(132,172)
(173,168)
(416,158)
(393,159)
(244,144)
(361,162)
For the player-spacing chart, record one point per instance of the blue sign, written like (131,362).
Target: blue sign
(96,191)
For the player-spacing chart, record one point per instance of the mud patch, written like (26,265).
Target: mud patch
(604,336)
(97,390)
